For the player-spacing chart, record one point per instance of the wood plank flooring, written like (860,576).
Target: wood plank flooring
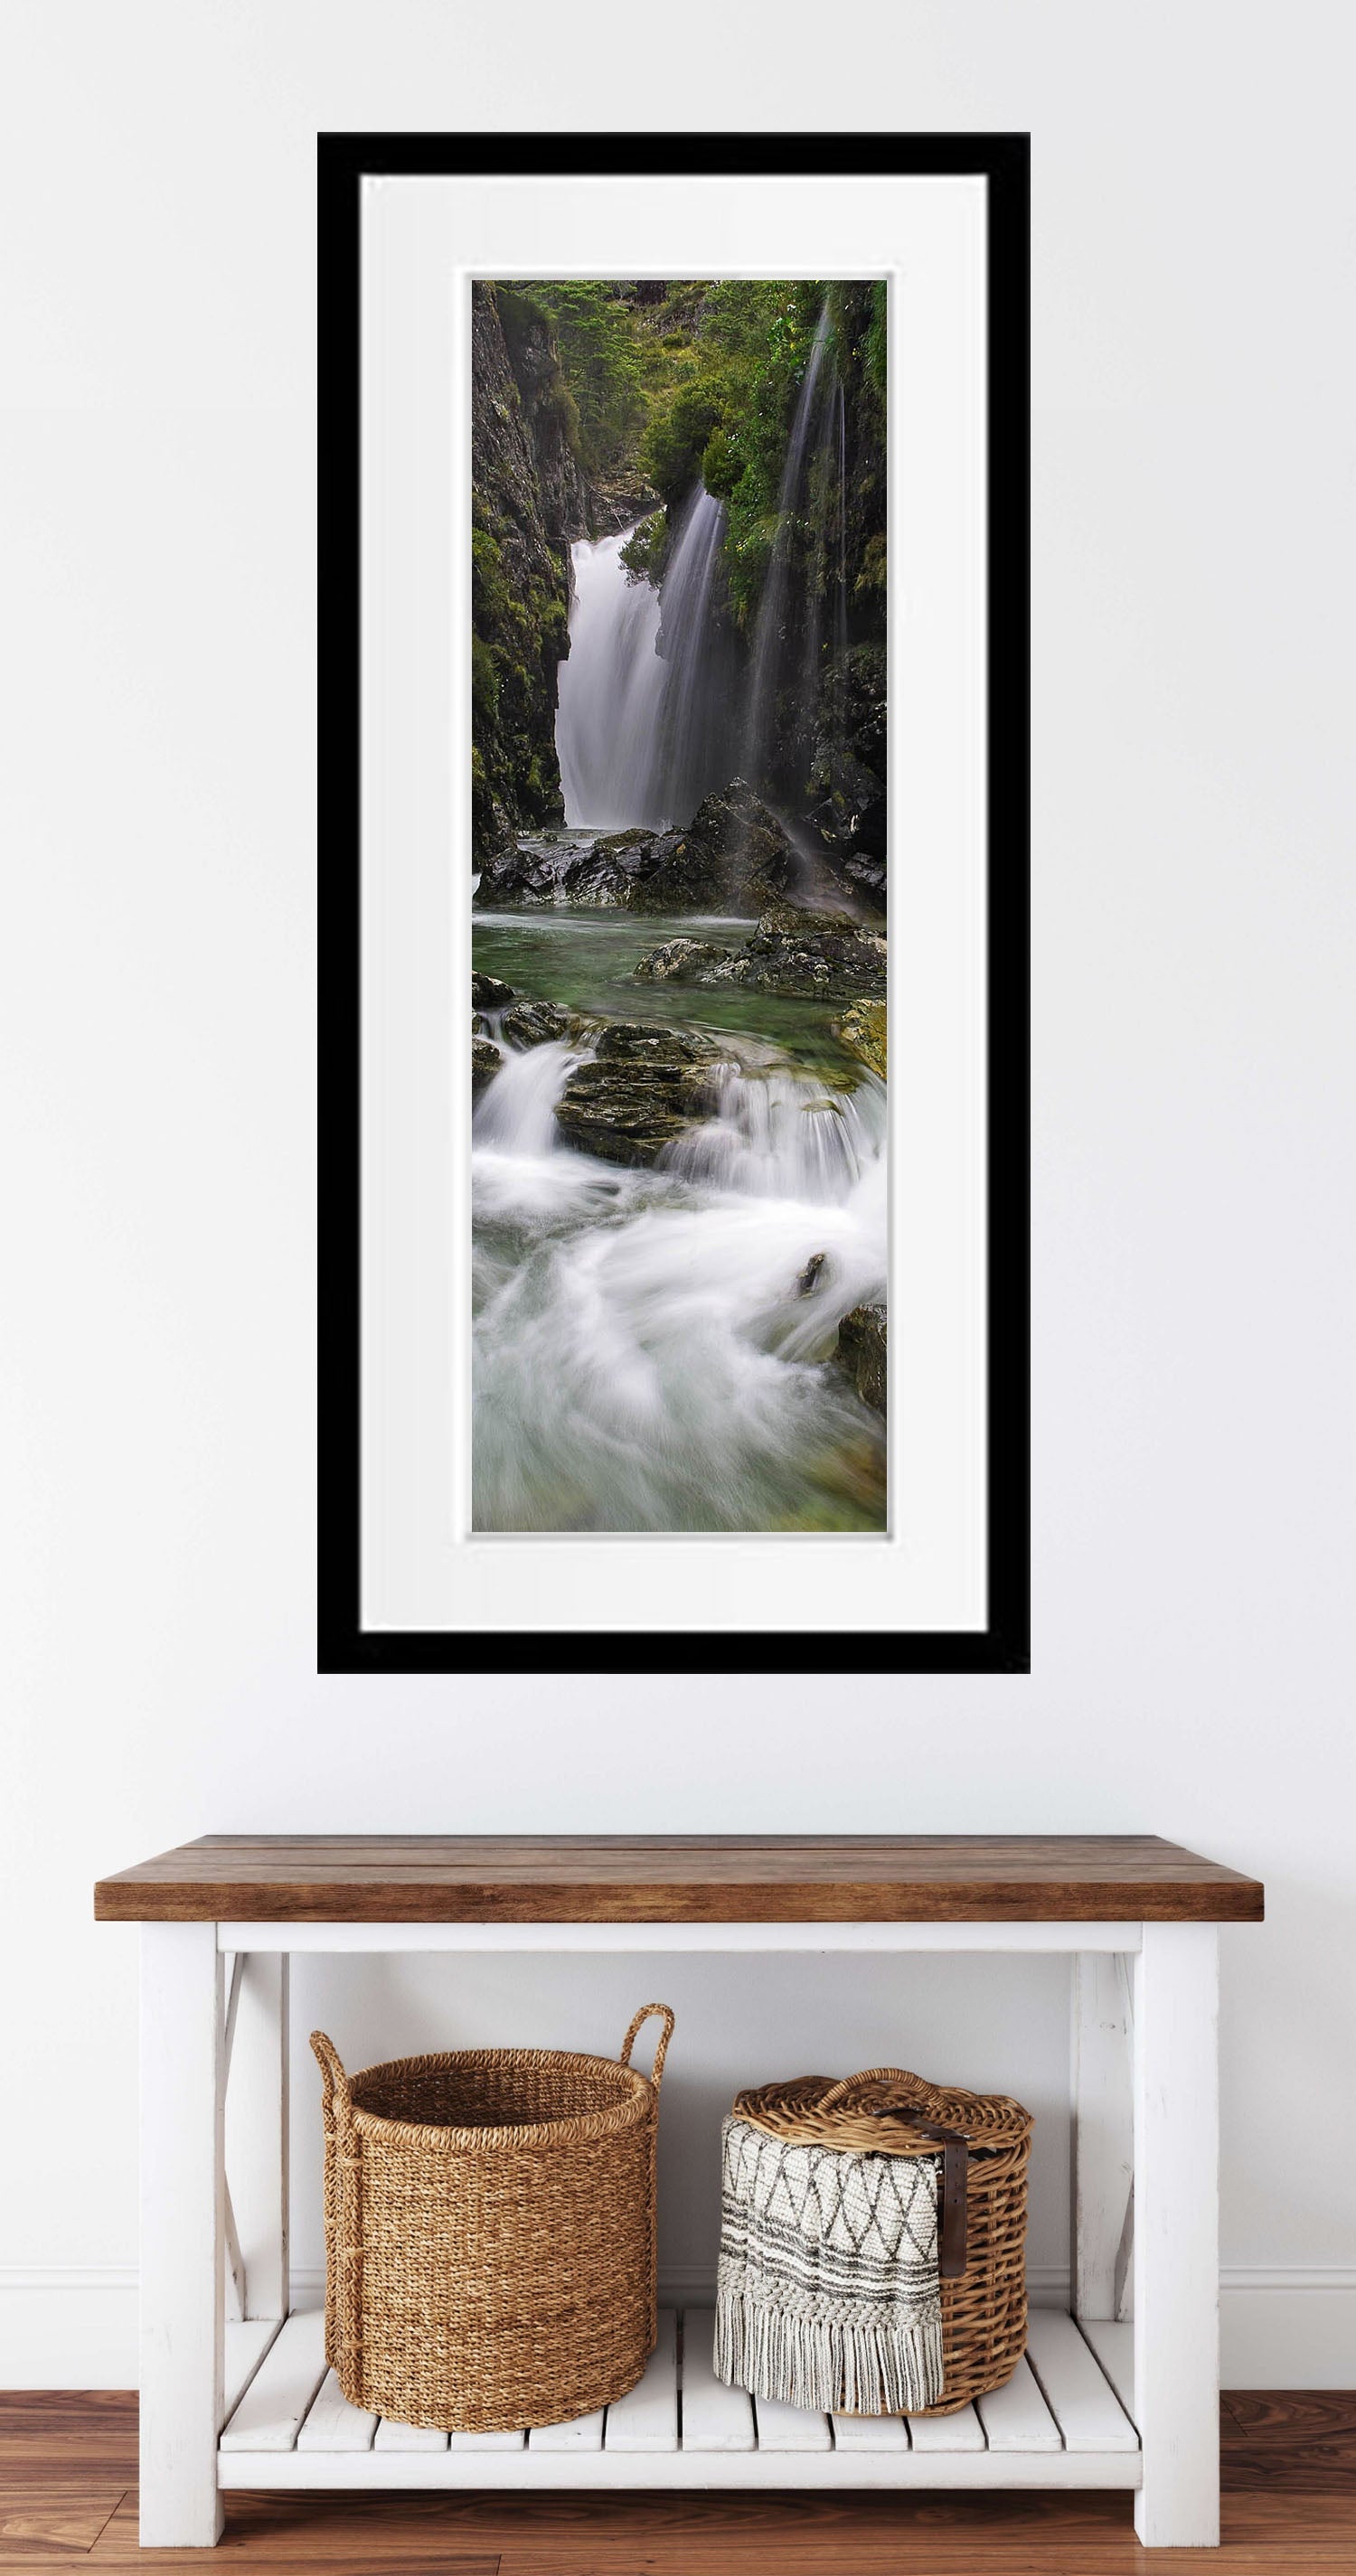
(67,2494)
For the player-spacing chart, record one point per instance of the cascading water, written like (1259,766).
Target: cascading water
(650,1347)
(779,1133)
(611,686)
(641,724)
(770,632)
(693,748)
(517,1114)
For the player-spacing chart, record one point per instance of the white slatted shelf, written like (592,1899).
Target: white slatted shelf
(1056,2424)
(715,2418)
(1114,2345)
(962,2431)
(579,2433)
(1084,2405)
(869,2432)
(1016,2418)
(786,2429)
(391,2435)
(275,2404)
(247,2341)
(334,2425)
(646,2419)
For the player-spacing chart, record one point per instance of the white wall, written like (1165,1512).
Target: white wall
(1194,1228)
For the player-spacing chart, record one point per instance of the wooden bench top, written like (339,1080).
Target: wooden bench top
(676,1878)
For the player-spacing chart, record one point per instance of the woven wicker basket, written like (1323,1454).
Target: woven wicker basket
(490,2232)
(983,2311)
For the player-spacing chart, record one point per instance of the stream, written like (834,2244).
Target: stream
(653,1348)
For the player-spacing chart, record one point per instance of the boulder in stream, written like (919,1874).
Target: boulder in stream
(530,1024)
(644,1086)
(734,856)
(677,961)
(862,1352)
(485,1063)
(826,956)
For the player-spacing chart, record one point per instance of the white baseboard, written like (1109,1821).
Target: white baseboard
(68,2329)
(1279,2327)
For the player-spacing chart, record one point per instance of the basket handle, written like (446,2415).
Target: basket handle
(955,2148)
(337,2089)
(662,2050)
(852,2083)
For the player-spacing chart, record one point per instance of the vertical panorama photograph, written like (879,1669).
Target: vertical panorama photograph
(678,892)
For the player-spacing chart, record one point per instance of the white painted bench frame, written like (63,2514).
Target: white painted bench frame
(1145,2105)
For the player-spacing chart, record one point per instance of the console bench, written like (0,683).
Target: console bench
(234,2390)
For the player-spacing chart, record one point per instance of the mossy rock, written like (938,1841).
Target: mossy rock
(862,1030)
(862,1352)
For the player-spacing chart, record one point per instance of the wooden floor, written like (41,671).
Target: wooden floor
(67,2493)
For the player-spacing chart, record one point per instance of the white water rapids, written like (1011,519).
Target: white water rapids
(650,1346)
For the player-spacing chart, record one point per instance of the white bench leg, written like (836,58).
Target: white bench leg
(256,2130)
(1177,2235)
(181,2234)
(1103,2134)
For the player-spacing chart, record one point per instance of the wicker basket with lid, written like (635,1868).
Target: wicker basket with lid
(878,2113)
(490,2232)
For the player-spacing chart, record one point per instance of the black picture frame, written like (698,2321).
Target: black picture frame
(1003,162)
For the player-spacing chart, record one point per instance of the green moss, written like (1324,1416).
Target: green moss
(484,680)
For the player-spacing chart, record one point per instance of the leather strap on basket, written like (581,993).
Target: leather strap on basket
(955,2148)
(955,2179)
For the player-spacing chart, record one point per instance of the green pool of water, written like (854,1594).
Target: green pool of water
(585,960)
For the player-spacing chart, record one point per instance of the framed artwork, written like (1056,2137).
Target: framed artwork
(674,903)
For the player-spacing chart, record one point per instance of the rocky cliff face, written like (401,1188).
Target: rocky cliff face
(529,502)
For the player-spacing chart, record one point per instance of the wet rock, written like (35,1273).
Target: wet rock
(860,875)
(529,873)
(682,875)
(743,855)
(628,849)
(488,994)
(531,1024)
(602,873)
(618,500)
(825,955)
(734,856)
(644,1087)
(485,1063)
(607,874)
(862,1030)
(529,501)
(678,961)
(809,1277)
(861,1351)
(846,769)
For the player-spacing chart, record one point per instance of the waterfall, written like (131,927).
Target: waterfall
(770,631)
(780,1134)
(517,1112)
(611,685)
(694,749)
(642,728)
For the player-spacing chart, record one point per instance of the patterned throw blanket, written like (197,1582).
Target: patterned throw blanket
(828,2293)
